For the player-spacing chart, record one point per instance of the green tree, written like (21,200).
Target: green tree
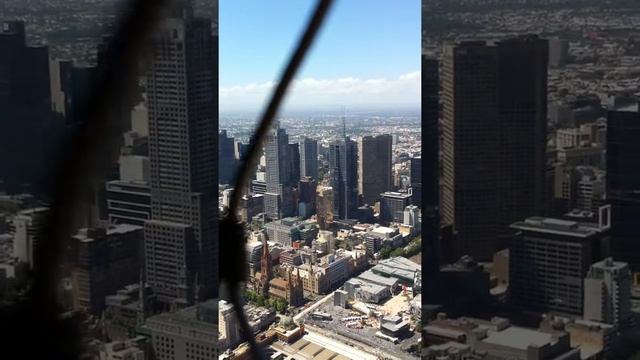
(385,252)
(260,301)
(281,306)
(397,252)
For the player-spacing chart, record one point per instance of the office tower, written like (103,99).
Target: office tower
(415,168)
(324,206)
(306,197)
(181,240)
(27,136)
(392,205)
(343,172)
(129,198)
(623,184)
(548,261)
(27,225)
(228,326)
(294,162)
(279,195)
(251,206)
(589,188)
(425,180)
(412,216)
(59,71)
(190,333)
(103,262)
(558,52)
(309,158)
(81,79)
(226,158)
(24,70)
(607,293)
(494,141)
(240,149)
(374,167)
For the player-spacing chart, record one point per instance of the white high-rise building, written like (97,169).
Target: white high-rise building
(607,293)
(412,216)
(228,326)
(27,225)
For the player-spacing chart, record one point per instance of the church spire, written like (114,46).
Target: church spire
(265,267)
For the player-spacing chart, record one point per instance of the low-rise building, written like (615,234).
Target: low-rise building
(136,348)
(366,291)
(394,326)
(521,343)
(126,310)
(398,267)
(594,339)
(190,333)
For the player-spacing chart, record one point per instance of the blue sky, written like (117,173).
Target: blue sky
(368,51)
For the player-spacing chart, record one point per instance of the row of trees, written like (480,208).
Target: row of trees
(414,247)
(275,304)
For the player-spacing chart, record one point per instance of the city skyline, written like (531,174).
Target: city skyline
(456,181)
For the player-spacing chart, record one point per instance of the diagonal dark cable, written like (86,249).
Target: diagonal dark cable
(276,99)
(233,269)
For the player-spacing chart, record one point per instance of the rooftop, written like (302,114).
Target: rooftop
(557,227)
(372,277)
(519,338)
(123,228)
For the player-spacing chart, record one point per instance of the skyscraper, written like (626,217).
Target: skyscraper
(324,206)
(415,168)
(294,162)
(343,166)
(181,242)
(425,178)
(226,158)
(623,184)
(607,296)
(374,167)
(306,197)
(26,132)
(309,158)
(494,140)
(279,196)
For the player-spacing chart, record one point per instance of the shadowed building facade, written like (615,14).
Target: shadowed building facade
(374,167)
(494,140)
(181,240)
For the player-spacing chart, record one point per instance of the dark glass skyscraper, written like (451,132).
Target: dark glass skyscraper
(309,158)
(226,158)
(415,168)
(181,240)
(294,162)
(25,127)
(425,171)
(374,167)
(494,140)
(343,167)
(623,184)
